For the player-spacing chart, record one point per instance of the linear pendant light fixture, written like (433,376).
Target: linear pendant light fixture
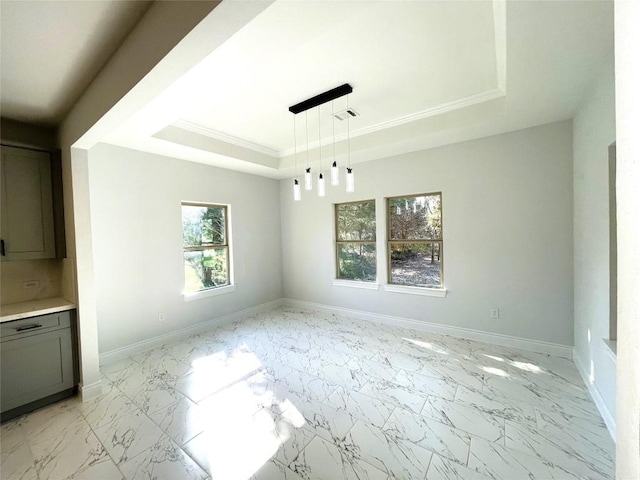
(315,102)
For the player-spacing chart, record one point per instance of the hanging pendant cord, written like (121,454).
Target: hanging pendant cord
(348,134)
(306,121)
(295,148)
(333,126)
(319,143)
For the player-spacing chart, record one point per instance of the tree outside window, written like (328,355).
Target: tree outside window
(356,241)
(205,245)
(414,247)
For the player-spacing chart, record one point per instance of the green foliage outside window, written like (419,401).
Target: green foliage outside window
(206,250)
(415,240)
(356,241)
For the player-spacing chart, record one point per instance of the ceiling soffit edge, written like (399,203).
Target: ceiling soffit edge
(486,96)
(500,28)
(224,137)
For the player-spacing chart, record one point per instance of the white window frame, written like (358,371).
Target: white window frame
(345,282)
(428,290)
(219,289)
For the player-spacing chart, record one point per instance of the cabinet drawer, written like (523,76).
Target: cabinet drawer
(33,325)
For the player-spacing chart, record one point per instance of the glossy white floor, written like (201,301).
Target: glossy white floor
(290,395)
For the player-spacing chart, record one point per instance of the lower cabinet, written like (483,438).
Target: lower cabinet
(37,362)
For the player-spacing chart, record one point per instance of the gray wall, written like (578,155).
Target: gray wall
(593,132)
(137,242)
(507,220)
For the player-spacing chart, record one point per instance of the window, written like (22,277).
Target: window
(206,246)
(414,247)
(356,241)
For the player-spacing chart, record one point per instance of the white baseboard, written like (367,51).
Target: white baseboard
(608,418)
(478,335)
(154,342)
(87,392)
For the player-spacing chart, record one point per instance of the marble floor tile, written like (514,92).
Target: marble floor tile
(17,461)
(293,439)
(105,469)
(463,417)
(395,394)
(588,460)
(498,462)
(182,420)
(499,407)
(401,361)
(427,385)
(363,407)
(325,421)
(453,373)
(106,408)
(592,430)
(162,461)
(310,386)
(427,433)
(11,434)
(75,450)
(292,394)
(274,470)
(236,450)
(128,435)
(344,376)
(154,395)
(396,457)
(372,368)
(323,460)
(442,469)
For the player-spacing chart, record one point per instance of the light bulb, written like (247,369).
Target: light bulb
(308,180)
(320,185)
(350,181)
(335,175)
(296,191)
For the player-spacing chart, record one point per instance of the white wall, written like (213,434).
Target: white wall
(137,242)
(593,132)
(507,220)
(627,18)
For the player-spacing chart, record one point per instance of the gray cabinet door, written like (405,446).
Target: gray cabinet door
(27,228)
(35,366)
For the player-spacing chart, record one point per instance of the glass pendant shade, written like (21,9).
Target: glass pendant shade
(335,175)
(297,196)
(321,190)
(308,180)
(350,181)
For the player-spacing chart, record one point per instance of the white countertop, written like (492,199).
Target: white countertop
(16,311)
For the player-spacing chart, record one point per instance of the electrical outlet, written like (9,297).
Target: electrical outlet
(495,313)
(161,316)
(31,284)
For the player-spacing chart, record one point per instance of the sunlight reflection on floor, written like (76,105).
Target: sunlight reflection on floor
(241,430)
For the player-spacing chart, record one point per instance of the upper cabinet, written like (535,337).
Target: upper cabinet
(27,223)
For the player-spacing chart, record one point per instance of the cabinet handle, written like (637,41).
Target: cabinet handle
(2,252)
(28,327)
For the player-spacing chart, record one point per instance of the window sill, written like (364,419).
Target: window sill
(356,284)
(426,291)
(612,348)
(212,292)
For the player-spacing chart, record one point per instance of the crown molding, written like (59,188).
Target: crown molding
(500,36)
(430,112)
(223,137)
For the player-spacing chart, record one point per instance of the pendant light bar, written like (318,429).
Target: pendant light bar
(313,102)
(325,97)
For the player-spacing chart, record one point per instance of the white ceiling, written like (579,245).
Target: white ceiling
(51,50)
(424,74)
